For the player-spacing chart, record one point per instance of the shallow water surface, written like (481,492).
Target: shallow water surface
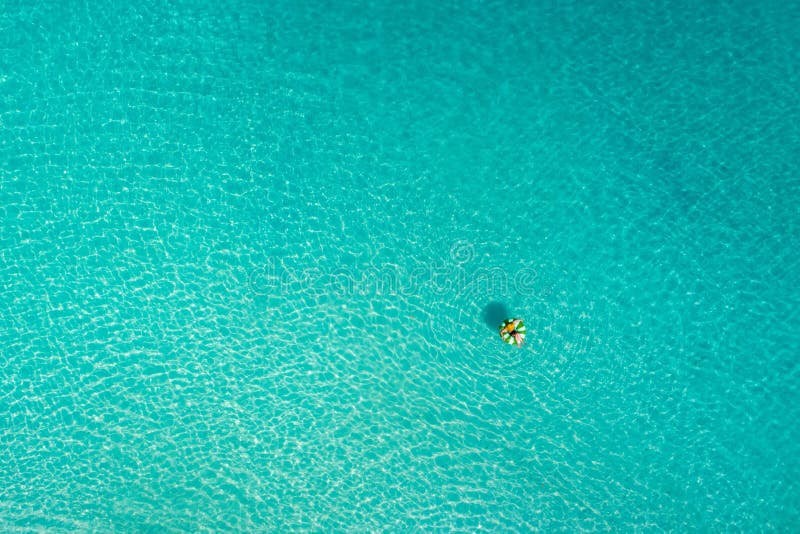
(253,259)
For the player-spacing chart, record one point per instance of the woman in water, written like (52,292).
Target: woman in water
(509,329)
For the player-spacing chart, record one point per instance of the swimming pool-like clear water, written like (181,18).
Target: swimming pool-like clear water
(253,256)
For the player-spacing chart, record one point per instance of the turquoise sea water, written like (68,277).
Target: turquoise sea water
(252,256)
